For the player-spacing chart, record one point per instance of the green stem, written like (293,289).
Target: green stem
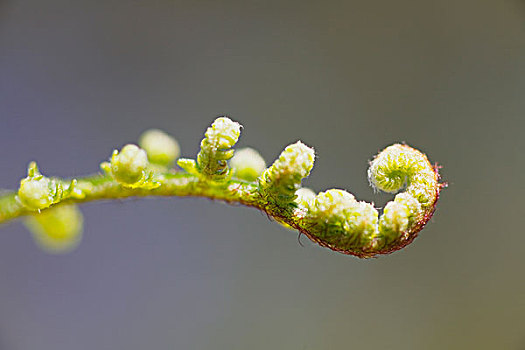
(99,187)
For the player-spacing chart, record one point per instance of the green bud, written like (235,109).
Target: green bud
(413,206)
(398,166)
(394,220)
(160,147)
(57,229)
(220,137)
(398,216)
(128,165)
(362,222)
(333,204)
(281,180)
(36,193)
(248,164)
(336,218)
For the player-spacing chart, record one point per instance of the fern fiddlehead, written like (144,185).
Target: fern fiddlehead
(333,218)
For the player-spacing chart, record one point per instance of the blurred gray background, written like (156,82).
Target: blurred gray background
(79,78)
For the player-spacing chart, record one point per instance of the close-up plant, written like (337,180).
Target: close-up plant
(276,174)
(333,218)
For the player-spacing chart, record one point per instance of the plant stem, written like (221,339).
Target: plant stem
(100,187)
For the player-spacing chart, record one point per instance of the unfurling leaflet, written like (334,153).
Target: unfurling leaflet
(216,150)
(282,179)
(336,220)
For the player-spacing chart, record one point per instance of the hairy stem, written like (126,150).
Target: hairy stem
(103,187)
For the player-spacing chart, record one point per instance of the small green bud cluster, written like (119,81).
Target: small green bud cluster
(337,219)
(247,164)
(161,148)
(221,136)
(57,229)
(37,192)
(212,159)
(129,167)
(283,178)
(398,216)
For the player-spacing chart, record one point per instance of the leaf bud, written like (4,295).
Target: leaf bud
(248,164)
(161,148)
(128,165)
(57,229)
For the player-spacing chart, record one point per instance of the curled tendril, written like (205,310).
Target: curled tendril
(332,218)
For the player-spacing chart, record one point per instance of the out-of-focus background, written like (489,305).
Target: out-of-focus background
(79,78)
